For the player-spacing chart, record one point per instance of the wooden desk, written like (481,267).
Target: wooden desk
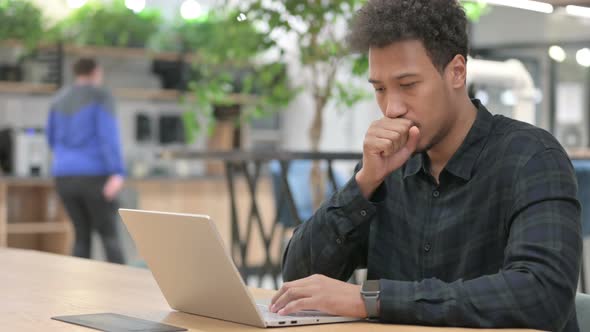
(35,286)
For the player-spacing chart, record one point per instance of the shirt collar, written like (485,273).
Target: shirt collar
(463,161)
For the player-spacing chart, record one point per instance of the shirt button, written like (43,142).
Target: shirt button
(363,213)
(427,247)
(435,194)
(339,240)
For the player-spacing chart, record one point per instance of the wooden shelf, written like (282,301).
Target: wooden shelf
(126,52)
(172,95)
(17,181)
(12,43)
(125,93)
(26,87)
(37,227)
(147,94)
(106,51)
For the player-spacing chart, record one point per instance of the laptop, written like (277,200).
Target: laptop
(196,274)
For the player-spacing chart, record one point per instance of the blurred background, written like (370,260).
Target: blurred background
(252,112)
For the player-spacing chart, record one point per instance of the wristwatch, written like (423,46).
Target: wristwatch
(370,292)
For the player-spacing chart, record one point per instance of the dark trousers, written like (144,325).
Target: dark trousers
(88,209)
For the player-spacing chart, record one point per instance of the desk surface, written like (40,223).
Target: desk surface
(36,286)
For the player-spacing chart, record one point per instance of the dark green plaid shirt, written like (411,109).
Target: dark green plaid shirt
(496,244)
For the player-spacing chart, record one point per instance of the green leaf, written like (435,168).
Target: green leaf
(348,94)
(229,62)
(21,20)
(474,10)
(113,24)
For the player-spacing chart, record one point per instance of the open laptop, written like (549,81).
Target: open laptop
(196,274)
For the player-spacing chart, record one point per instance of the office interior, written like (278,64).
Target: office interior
(244,165)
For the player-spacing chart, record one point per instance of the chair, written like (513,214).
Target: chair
(582,169)
(583,311)
(299,180)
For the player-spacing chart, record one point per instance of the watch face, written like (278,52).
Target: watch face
(371,286)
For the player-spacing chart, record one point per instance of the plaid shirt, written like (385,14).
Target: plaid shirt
(497,244)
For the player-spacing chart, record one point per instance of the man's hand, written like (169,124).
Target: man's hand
(388,144)
(112,187)
(321,293)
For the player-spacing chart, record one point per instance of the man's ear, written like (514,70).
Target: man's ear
(456,72)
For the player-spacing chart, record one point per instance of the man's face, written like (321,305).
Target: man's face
(97,76)
(408,85)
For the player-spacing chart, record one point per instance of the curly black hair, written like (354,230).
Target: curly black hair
(441,25)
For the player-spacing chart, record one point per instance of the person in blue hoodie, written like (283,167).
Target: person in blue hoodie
(83,134)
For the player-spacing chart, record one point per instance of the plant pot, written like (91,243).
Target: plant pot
(226,135)
(227,113)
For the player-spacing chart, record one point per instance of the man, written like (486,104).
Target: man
(462,218)
(83,135)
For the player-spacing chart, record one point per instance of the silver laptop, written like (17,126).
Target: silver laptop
(196,274)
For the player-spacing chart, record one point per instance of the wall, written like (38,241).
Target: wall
(505,25)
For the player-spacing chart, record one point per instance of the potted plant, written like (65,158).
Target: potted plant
(100,24)
(228,83)
(323,54)
(21,29)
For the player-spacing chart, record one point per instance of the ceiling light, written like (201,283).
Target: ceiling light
(578,11)
(75,4)
(483,96)
(135,5)
(557,53)
(508,98)
(583,57)
(190,10)
(537,6)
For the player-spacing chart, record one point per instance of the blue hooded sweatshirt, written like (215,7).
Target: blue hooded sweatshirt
(83,133)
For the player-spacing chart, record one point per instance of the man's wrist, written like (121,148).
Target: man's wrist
(367,186)
(371,295)
(362,309)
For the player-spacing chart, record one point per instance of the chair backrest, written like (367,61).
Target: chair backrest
(583,311)
(582,168)
(300,184)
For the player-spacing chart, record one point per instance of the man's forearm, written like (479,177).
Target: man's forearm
(334,241)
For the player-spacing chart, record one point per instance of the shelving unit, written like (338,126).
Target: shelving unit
(32,217)
(58,52)
(54,55)
(127,52)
